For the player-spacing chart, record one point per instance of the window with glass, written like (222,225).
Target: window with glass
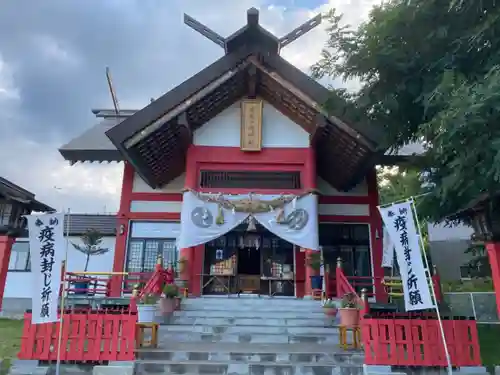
(20,257)
(351,243)
(143,253)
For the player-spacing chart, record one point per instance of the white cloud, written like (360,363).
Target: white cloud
(150,51)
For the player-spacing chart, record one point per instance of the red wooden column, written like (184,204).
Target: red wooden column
(193,255)
(309,183)
(376,234)
(5,250)
(493,249)
(122,229)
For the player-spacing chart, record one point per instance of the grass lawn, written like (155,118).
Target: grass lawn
(488,339)
(10,341)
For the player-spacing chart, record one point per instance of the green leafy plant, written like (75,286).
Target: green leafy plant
(148,299)
(171,291)
(331,304)
(350,301)
(314,260)
(91,245)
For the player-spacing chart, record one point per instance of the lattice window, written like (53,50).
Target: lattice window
(143,253)
(250,180)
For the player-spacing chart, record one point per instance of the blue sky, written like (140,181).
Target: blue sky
(307,4)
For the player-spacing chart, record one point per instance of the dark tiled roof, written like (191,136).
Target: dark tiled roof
(80,223)
(14,192)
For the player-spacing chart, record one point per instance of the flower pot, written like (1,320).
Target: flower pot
(330,311)
(167,305)
(349,317)
(146,313)
(317,282)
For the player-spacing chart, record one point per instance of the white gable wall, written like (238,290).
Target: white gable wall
(175,186)
(325,189)
(277,130)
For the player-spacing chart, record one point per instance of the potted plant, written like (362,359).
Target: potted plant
(169,299)
(146,309)
(314,261)
(349,310)
(330,308)
(91,245)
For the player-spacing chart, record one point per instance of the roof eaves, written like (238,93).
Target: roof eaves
(135,123)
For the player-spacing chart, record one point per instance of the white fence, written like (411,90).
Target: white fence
(480,305)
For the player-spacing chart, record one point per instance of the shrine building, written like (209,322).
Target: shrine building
(242,169)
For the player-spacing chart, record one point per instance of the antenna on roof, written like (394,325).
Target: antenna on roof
(295,34)
(112,91)
(205,31)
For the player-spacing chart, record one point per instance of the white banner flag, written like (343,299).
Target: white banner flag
(400,224)
(46,233)
(387,250)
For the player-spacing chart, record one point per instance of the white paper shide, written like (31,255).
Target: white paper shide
(46,235)
(400,224)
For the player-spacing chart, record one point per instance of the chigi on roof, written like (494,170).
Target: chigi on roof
(155,139)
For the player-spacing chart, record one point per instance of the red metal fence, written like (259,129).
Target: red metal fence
(417,342)
(92,335)
(87,336)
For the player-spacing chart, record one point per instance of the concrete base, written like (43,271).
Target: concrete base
(382,370)
(21,367)
(114,368)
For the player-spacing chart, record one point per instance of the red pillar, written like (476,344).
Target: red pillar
(309,272)
(5,250)
(122,229)
(494,258)
(309,182)
(376,234)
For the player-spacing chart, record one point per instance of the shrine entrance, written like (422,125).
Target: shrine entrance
(249,262)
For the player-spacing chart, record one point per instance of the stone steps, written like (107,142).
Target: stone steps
(249,336)
(241,368)
(261,321)
(252,353)
(196,313)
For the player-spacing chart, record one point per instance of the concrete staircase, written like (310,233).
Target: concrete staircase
(249,336)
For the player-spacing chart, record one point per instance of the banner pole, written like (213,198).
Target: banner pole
(433,291)
(63,299)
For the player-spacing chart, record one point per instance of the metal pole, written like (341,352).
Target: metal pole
(63,299)
(433,292)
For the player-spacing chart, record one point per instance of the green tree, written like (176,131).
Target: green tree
(430,71)
(91,245)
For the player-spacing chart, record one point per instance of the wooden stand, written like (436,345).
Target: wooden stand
(356,337)
(140,328)
(317,294)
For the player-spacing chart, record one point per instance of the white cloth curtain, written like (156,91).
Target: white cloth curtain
(302,229)
(198,220)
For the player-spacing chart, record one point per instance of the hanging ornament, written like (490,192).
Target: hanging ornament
(294,202)
(251,224)
(257,242)
(219,220)
(241,242)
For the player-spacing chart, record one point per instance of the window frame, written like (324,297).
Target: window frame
(27,265)
(161,241)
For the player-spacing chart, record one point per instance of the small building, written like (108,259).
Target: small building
(15,202)
(249,128)
(17,297)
